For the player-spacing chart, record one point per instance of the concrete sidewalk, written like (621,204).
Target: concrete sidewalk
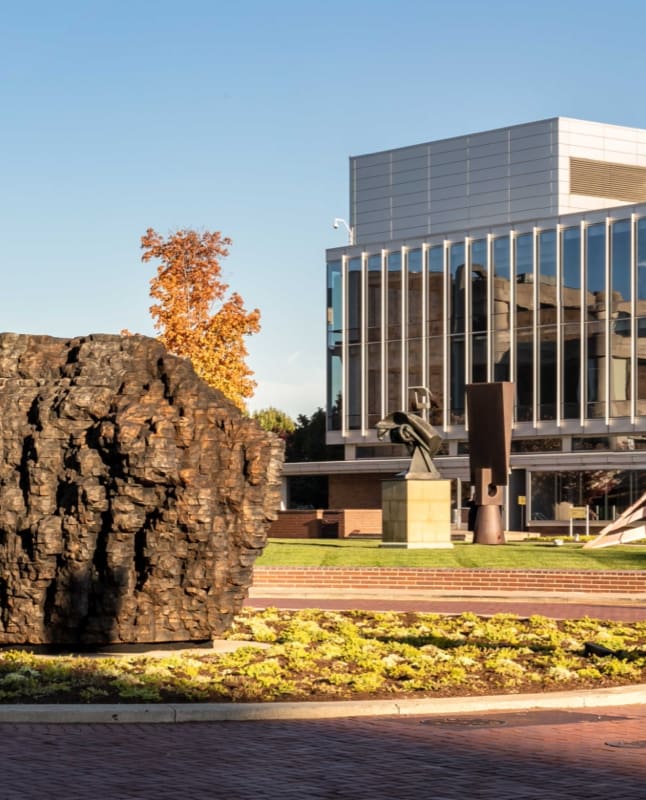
(171,713)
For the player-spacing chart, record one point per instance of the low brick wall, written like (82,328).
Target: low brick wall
(472,580)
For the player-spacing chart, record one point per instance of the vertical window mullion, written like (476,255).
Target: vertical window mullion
(583,345)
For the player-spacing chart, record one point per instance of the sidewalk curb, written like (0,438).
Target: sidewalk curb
(241,712)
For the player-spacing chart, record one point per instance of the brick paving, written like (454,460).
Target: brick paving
(557,609)
(520,756)
(594,754)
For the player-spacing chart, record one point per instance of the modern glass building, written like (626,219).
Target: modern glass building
(511,255)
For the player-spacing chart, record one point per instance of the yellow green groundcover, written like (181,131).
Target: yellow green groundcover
(332,655)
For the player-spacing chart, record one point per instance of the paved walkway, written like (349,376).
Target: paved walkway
(551,755)
(554,754)
(556,607)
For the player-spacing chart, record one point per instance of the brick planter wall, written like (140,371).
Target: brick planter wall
(472,580)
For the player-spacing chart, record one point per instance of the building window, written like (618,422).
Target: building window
(547,319)
(415,305)
(501,308)
(571,322)
(457,364)
(620,325)
(394,329)
(595,334)
(374,333)
(524,303)
(334,345)
(435,331)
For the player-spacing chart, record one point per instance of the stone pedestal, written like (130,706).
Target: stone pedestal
(416,513)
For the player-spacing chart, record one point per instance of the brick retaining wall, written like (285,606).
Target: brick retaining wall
(474,580)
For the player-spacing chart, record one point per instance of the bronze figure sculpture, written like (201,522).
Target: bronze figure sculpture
(420,437)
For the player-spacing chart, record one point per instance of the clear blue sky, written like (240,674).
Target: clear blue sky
(240,117)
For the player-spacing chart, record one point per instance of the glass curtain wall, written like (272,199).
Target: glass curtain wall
(501,323)
(457,332)
(571,322)
(394,331)
(435,331)
(374,336)
(334,344)
(355,336)
(524,321)
(641,316)
(547,325)
(415,314)
(595,312)
(479,316)
(606,492)
(572,288)
(620,320)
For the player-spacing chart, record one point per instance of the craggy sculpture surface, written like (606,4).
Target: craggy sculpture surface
(628,527)
(421,440)
(489,406)
(134,498)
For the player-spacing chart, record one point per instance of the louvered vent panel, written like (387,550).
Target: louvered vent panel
(605,179)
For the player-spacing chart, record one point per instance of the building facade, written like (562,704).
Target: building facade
(518,255)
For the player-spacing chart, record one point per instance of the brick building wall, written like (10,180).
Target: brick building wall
(320,523)
(355,491)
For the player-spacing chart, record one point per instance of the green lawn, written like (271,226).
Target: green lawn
(517,555)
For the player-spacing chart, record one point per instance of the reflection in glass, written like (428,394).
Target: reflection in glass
(393,376)
(501,308)
(334,341)
(394,294)
(571,318)
(457,319)
(354,300)
(479,311)
(373,349)
(354,386)
(435,317)
(596,312)
(620,262)
(607,493)
(415,317)
(620,354)
(641,316)
(524,332)
(571,370)
(435,280)
(479,285)
(394,328)
(435,365)
(547,340)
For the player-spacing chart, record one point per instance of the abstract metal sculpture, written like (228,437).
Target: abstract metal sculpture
(489,406)
(628,527)
(421,439)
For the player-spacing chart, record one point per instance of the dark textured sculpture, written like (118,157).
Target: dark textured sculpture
(134,498)
(421,439)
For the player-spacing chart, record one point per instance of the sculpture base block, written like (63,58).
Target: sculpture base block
(416,513)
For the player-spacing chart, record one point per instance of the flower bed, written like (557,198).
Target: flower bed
(331,655)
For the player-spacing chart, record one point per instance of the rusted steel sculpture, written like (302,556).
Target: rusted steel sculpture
(489,406)
(420,437)
(628,527)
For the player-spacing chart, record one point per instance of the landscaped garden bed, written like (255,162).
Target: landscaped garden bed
(332,655)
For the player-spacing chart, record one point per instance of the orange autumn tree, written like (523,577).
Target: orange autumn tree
(193,314)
